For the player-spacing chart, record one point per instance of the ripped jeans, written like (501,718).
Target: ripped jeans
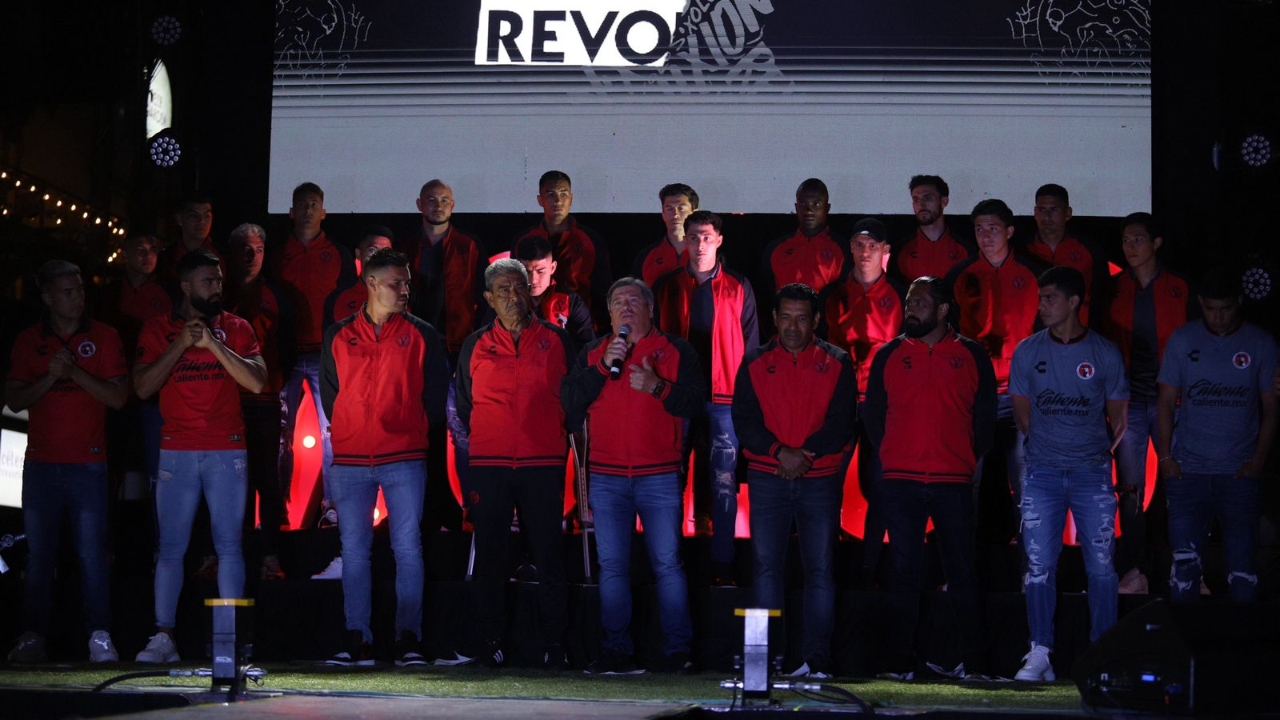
(1194,500)
(721,444)
(1047,494)
(221,477)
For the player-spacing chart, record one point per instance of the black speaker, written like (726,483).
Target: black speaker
(1185,658)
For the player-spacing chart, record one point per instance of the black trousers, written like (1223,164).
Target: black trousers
(262,450)
(539,492)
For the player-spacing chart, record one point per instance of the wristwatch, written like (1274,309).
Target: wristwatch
(657,389)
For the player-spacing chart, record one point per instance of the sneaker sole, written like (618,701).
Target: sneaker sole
(1047,677)
(637,671)
(410,663)
(456,661)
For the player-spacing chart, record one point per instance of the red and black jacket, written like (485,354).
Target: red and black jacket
(931,412)
(804,401)
(271,315)
(657,260)
(568,311)
(816,261)
(452,297)
(382,388)
(1084,256)
(860,320)
(997,307)
(1173,306)
(508,395)
(308,273)
(921,256)
(631,433)
(582,264)
(735,325)
(345,302)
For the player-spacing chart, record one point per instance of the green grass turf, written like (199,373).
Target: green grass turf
(534,684)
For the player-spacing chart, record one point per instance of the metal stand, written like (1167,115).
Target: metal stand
(585,521)
(232,643)
(755,661)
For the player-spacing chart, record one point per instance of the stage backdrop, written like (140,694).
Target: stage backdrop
(742,99)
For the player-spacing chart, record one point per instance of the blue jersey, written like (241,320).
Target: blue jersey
(1219,378)
(1068,386)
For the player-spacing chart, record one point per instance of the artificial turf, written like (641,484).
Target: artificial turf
(701,689)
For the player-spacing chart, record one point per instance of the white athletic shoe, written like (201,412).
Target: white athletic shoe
(101,649)
(160,649)
(333,572)
(1036,666)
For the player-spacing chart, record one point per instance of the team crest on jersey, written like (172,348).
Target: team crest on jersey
(218,333)
(544,344)
(1019,283)
(885,303)
(1175,293)
(659,261)
(821,368)
(827,255)
(1075,257)
(326,256)
(1241,360)
(403,341)
(955,363)
(657,356)
(1085,370)
(86,349)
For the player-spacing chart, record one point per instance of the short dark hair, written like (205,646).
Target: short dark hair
(1147,222)
(551,177)
(813,185)
(1067,279)
(375,231)
(703,217)
(307,188)
(196,197)
(1054,190)
(139,237)
(533,247)
(800,292)
(194,260)
(51,271)
(941,185)
(992,206)
(645,291)
(679,189)
(384,258)
(429,185)
(1220,283)
(937,289)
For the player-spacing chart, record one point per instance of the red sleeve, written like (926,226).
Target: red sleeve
(243,340)
(25,364)
(151,341)
(112,363)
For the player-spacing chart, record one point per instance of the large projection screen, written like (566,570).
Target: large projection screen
(742,99)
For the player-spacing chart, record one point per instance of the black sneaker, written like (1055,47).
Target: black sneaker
(613,662)
(407,651)
(493,655)
(555,658)
(355,651)
(677,664)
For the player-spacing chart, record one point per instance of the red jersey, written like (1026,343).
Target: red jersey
(921,256)
(448,283)
(500,379)
(1077,254)
(657,260)
(931,412)
(631,433)
(582,262)
(345,302)
(802,401)
(309,273)
(382,388)
(67,425)
(200,402)
(860,319)
(734,324)
(268,312)
(815,261)
(126,307)
(997,307)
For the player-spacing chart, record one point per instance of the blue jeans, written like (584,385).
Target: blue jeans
(81,490)
(722,467)
(814,503)
(1131,485)
(1047,493)
(616,500)
(221,477)
(307,369)
(1194,500)
(355,493)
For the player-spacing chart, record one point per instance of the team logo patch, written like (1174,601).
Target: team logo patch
(955,363)
(827,255)
(1085,370)
(544,344)
(1241,360)
(821,368)
(218,333)
(403,341)
(1019,283)
(86,349)
(657,356)
(885,303)
(326,256)
(1075,257)
(953,255)
(659,261)
(1175,293)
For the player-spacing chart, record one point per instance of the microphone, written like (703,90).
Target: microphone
(615,369)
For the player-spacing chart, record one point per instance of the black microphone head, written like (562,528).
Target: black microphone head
(624,331)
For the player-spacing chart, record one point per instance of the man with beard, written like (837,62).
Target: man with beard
(713,308)
(383,382)
(678,202)
(197,359)
(66,370)
(509,373)
(930,413)
(447,265)
(863,313)
(582,257)
(251,296)
(934,249)
(636,429)
(1069,398)
(794,410)
(564,308)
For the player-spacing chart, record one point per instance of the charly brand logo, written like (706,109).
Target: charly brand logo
(581,33)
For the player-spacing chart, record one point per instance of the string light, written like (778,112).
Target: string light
(46,196)
(32,188)
(73,207)
(59,204)
(60,200)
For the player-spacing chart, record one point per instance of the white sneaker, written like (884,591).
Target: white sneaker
(804,671)
(328,518)
(1036,666)
(1133,583)
(159,650)
(101,649)
(333,572)
(457,659)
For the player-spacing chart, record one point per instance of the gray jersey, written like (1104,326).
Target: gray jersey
(1068,386)
(1220,379)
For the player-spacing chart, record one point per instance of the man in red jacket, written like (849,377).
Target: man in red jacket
(582,257)
(930,412)
(794,409)
(564,308)
(934,249)
(383,382)
(509,373)
(636,425)
(678,202)
(1054,245)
